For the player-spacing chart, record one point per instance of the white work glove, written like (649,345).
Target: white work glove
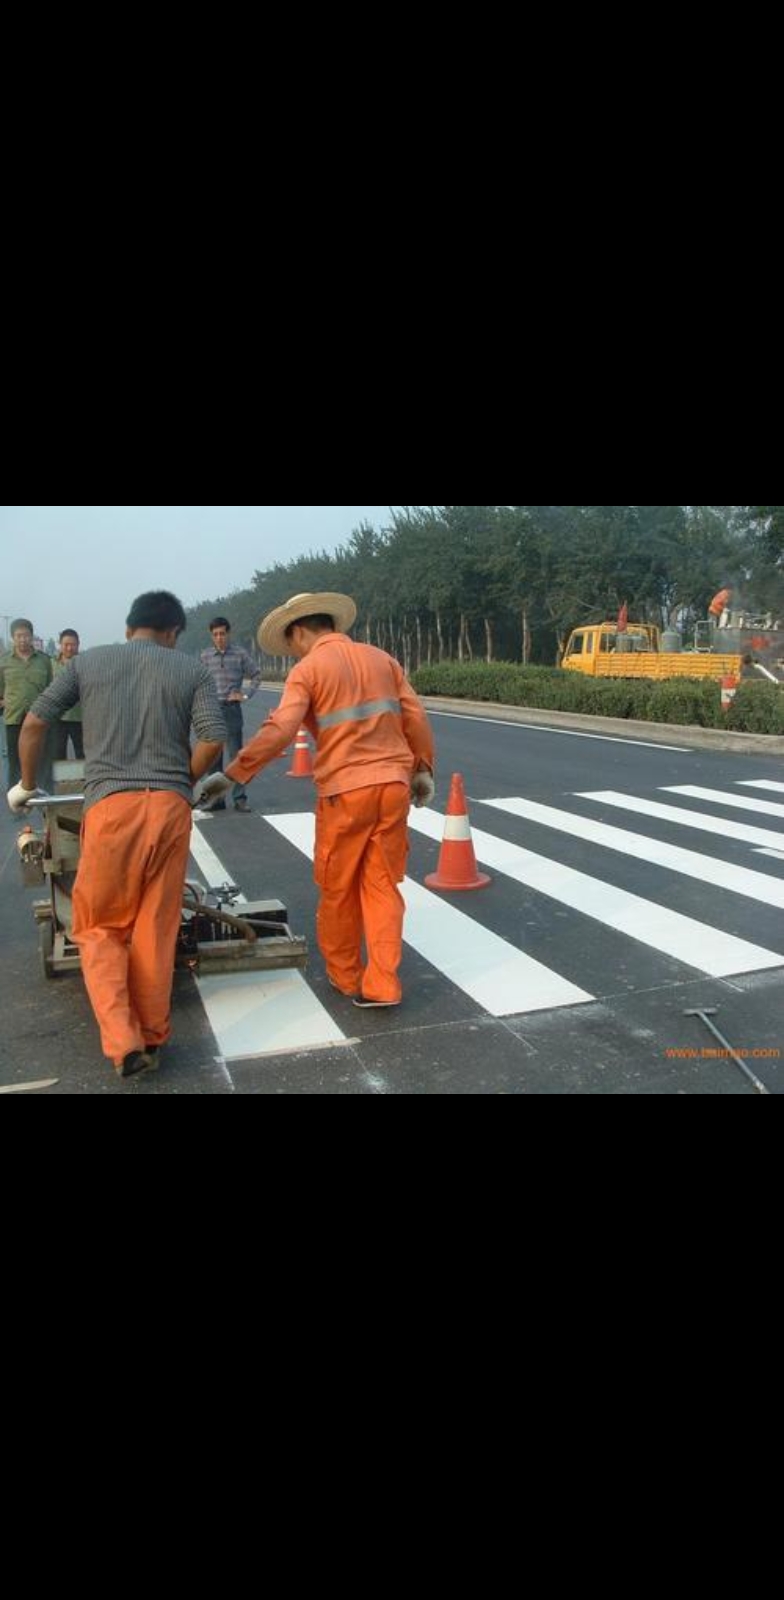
(212,788)
(423,789)
(18,798)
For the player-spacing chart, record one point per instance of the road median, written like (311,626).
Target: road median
(691,737)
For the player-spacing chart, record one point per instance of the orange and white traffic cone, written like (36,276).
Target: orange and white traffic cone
(457,867)
(303,762)
(729,687)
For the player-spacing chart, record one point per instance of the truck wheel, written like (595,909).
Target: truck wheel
(46,947)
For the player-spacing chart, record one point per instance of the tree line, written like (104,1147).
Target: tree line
(510,582)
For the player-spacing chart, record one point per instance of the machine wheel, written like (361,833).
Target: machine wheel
(46,947)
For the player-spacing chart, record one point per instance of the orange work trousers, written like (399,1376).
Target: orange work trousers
(127,910)
(361,852)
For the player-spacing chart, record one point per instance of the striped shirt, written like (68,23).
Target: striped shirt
(139,702)
(229,668)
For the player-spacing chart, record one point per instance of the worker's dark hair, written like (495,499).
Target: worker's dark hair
(220,622)
(21,622)
(68,633)
(159,611)
(319,624)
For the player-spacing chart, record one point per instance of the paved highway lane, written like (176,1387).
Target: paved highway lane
(630,883)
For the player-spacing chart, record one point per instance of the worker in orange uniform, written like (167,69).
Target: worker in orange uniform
(374,756)
(139,701)
(719,605)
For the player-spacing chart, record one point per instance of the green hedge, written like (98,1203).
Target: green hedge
(758,707)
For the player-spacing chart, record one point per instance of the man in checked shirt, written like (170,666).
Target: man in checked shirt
(230,665)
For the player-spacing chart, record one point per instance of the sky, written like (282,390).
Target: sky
(81,566)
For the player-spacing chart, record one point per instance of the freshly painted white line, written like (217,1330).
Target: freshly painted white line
(211,867)
(720,797)
(259,1013)
(778,855)
(691,863)
(644,807)
(27,1088)
(564,733)
(695,943)
(497,975)
(762,783)
(266,1014)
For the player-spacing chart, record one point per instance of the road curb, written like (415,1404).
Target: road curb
(751,744)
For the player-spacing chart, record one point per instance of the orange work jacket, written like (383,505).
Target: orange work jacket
(719,602)
(368,723)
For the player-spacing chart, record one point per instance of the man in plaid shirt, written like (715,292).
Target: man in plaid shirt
(230,666)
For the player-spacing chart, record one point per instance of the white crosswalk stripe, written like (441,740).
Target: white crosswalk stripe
(697,944)
(256,1015)
(719,797)
(762,783)
(685,819)
(503,980)
(692,863)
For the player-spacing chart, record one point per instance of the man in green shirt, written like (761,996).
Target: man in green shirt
(69,725)
(24,674)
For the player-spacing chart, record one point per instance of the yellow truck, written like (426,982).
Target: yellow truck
(641,651)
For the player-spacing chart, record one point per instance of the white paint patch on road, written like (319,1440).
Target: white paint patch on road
(266,1014)
(375,1083)
(29,1088)
(259,1013)
(495,974)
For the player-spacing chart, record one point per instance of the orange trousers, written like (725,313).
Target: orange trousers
(361,852)
(127,909)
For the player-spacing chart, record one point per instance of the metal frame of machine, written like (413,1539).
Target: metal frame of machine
(220,932)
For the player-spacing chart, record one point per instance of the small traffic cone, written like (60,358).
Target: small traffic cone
(729,686)
(303,763)
(457,867)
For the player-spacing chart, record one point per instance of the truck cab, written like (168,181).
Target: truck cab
(589,647)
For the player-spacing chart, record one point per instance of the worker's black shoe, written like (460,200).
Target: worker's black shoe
(138,1061)
(242,805)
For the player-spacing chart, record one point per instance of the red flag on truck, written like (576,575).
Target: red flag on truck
(623,618)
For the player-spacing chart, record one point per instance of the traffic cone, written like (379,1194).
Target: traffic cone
(729,687)
(303,763)
(457,867)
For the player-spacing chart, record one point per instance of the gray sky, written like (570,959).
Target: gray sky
(81,566)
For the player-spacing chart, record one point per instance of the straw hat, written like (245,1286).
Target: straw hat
(272,630)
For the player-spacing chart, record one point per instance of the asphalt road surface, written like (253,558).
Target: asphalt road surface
(630,885)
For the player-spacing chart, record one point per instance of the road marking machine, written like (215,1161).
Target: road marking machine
(217,935)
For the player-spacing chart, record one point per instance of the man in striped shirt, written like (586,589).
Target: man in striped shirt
(139,701)
(230,666)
